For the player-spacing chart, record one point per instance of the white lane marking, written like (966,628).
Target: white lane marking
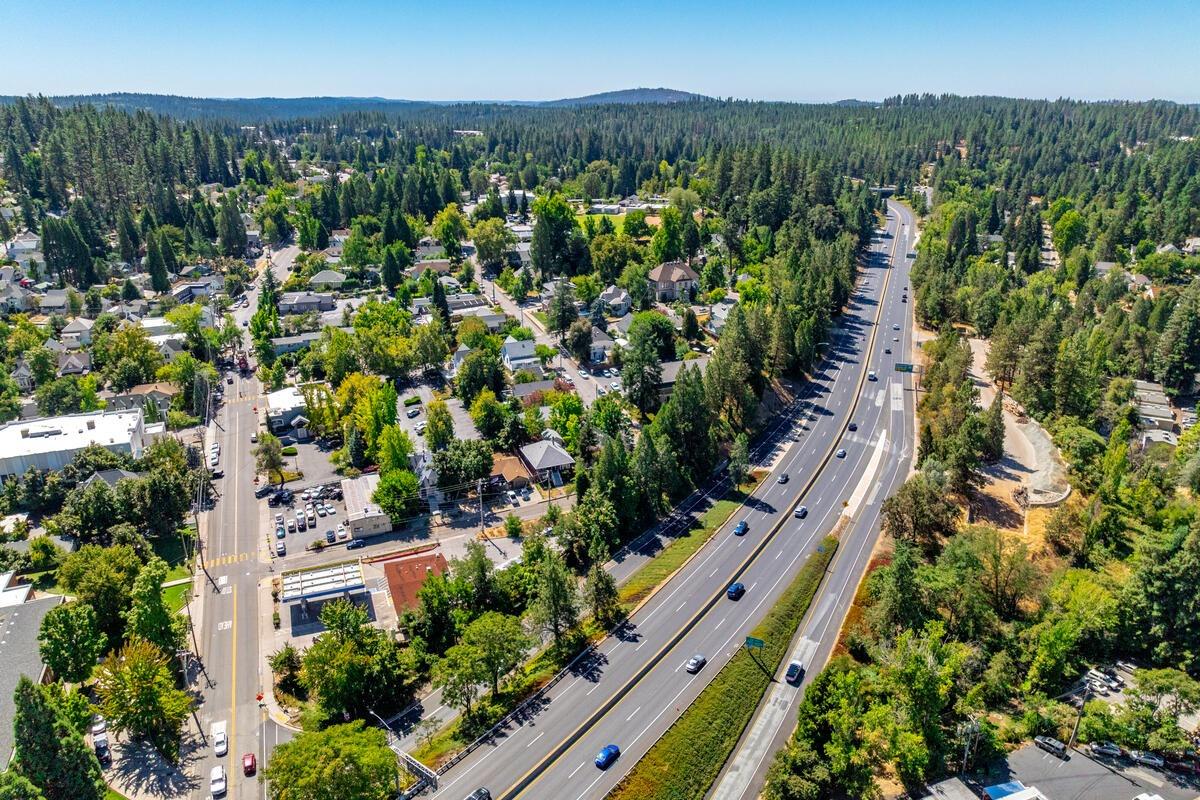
(581,766)
(681,605)
(714,572)
(594,688)
(634,714)
(540,735)
(719,624)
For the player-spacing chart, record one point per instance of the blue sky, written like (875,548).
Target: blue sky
(471,49)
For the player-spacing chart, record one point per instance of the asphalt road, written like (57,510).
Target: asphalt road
(745,772)
(634,686)
(234,562)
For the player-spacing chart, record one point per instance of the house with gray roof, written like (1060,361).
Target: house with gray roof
(303,302)
(518,354)
(326,280)
(20,655)
(616,300)
(548,461)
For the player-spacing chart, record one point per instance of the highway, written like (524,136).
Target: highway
(634,686)
(745,772)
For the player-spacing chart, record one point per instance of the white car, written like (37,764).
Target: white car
(216,781)
(329,510)
(341,531)
(220,743)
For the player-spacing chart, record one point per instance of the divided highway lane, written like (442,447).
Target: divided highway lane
(657,700)
(620,658)
(745,773)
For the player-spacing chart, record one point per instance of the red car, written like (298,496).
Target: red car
(249,764)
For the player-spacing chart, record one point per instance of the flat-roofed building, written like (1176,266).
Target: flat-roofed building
(364,517)
(50,443)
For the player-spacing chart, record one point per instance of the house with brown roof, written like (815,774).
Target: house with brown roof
(509,470)
(672,281)
(161,394)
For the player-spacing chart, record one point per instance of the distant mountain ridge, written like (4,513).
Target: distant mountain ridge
(252,109)
(622,96)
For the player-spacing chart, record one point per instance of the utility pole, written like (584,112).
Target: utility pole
(1079,718)
(479,491)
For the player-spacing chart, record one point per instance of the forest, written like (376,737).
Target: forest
(960,625)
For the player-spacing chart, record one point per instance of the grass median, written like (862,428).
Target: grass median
(683,764)
(662,566)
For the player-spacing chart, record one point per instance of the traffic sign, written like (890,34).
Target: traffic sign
(752,643)
(902,367)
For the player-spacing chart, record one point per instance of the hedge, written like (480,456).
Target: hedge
(414,400)
(290,450)
(683,764)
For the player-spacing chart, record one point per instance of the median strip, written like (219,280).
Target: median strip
(686,760)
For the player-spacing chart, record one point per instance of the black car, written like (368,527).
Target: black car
(795,673)
(263,491)
(273,500)
(354,544)
(480,794)
(783,478)
(330,537)
(100,742)
(853,426)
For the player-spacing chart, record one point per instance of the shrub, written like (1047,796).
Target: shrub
(290,450)
(412,401)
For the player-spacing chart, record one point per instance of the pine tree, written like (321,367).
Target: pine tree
(159,281)
(231,231)
(993,433)
(49,752)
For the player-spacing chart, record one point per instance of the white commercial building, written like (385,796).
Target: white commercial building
(363,514)
(50,443)
(283,407)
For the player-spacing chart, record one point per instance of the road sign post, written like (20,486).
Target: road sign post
(754,644)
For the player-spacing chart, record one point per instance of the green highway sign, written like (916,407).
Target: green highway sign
(902,367)
(752,643)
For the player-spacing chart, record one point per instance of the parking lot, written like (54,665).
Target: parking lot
(324,521)
(464,426)
(1081,777)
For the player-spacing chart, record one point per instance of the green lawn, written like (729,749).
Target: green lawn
(176,596)
(170,549)
(113,794)
(618,220)
(686,760)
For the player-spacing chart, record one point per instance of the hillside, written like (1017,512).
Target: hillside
(266,109)
(628,96)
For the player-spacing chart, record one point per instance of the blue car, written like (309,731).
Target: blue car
(741,528)
(607,756)
(735,591)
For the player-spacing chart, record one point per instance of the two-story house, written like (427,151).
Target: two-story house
(674,280)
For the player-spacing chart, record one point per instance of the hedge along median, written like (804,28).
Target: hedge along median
(683,764)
